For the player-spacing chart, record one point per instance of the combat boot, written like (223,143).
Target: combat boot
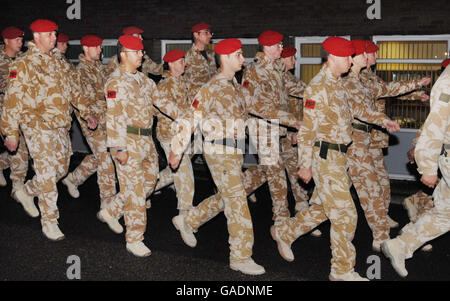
(316,233)
(138,249)
(52,232)
(72,188)
(185,230)
(248,267)
(350,276)
(283,248)
(113,223)
(392,223)
(393,250)
(27,202)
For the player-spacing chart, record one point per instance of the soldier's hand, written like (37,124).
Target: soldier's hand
(122,157)
(410,154)
(174,160)
(298,125)
(11,146)
(430,181)
(392,126)
(294,139)
(92,123)
(425,81)
(305,174)
(425,97)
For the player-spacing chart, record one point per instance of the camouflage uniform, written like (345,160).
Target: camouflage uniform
(148,66)
(379,139)
(327,118)
(38,101)
(18,161)
(220,100)
(130,100)
(198,69)
(432,152)
(361,166)
(92,103)
(174,102)
(268,98)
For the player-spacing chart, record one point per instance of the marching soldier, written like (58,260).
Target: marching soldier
(173,103)
(431,154)
(90,112)
(62,43)
(269,100)
(379,139)
(148,65)
(130,96)
(18,161)
(323,140)
(200,61)
(220,102)
(37,101)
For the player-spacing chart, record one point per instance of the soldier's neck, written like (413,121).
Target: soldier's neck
(200,46)
(10,52)
(229,74)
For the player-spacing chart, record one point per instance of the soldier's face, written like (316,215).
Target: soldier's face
(235,60)
(133,57)
(360,61)
(342,64)
(289,62)
(274,51)
(14,44)
(93,53)
(203,36)
(62,46)
(177,67)
(372,58)
(46,40)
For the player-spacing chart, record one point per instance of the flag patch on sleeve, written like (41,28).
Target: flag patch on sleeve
(13,74)
(195,103)
(246,84)
(111,94)
(310,104)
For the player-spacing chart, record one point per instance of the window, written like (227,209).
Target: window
(308,57)
(410,58)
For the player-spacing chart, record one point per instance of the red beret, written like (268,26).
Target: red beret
(12,32)
(62,38)
(131,30)
(445,63)
(43,25)
(91,41)
(131,42)
(360,46)
(228,46)
(371,47)
(288,51)
(338,46)
(269,38)
(173,55)
(200,26)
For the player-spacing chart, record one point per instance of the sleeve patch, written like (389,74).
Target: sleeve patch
(246,84)
(195,103)
(13,74)
(111,94)
(444,97)
(310,104)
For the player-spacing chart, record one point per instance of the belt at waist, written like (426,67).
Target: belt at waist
(236,143)
(139,131)
(362,127)
(338,147)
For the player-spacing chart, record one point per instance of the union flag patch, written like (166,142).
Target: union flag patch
(195,103)
(13,74)
(246,84)
(310,104)
(111,94)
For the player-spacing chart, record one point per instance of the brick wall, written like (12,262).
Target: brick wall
(233,18)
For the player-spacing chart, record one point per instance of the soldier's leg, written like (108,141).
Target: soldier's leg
(150,167)
(276,178)
(19,165)
(165,178)
(364,177)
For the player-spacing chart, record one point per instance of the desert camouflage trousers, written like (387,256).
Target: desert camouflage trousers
(434,222)
(17,162)
(272,170)
(226,171)
(183,179)
(383,176)
(137,179)
(331,200)
(365,179)
(422,202)
(99,161)
(256,176)
(50,151)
